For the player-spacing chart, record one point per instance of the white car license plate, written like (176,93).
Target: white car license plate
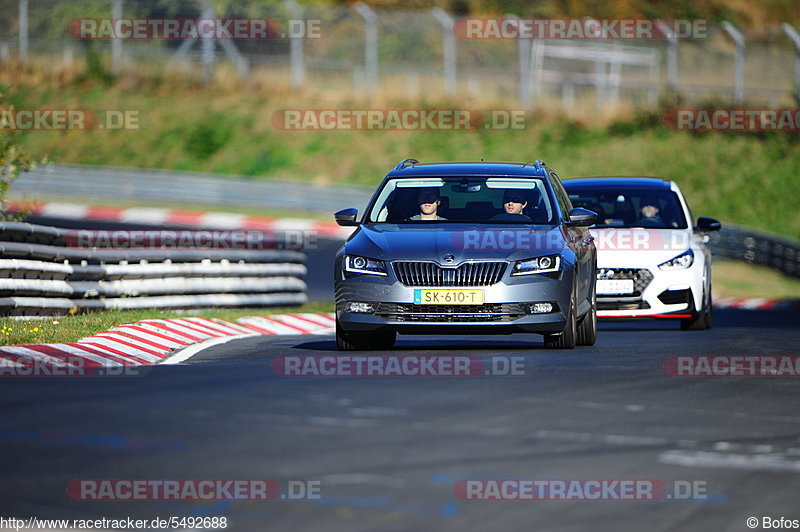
(615,286)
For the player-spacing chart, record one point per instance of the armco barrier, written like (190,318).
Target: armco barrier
(756,247)
(40,275)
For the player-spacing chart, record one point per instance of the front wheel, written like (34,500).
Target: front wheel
(361,341)
(565,340)
(702,319)
(587,330)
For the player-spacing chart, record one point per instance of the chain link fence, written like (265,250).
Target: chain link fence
(360,50)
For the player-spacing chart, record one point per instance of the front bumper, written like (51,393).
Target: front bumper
(665,294)
(506,307)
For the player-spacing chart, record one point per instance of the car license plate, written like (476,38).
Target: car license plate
(615,286)
(448,297)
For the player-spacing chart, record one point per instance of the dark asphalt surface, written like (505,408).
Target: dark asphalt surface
(387,451)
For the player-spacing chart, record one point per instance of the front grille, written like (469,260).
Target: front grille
(675,297)
(431,274)
(641,277)
(489,312)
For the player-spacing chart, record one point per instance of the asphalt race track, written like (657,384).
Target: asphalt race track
(387,451)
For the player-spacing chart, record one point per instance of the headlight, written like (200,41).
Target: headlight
(681,262)
(355,264)
(549,263)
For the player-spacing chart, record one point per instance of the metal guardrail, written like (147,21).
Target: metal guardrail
(756,247)
(42,275)
(109,183)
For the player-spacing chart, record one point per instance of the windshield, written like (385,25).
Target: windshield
(461,199)
(630,207)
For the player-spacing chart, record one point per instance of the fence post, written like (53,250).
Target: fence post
(207,46)
(296,60)
(738,38)
(116,44)
(795,37)
(672,55)
(524,62)
(370,45)
(448,49)
(23,30)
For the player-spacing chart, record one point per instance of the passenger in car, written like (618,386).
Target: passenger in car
(428,200)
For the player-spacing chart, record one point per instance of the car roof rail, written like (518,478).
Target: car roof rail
(405,162)
(538,163)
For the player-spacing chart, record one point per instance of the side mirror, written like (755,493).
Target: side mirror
(581,217)
(705,224)
(346,217)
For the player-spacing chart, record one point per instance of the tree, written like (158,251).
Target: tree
(13,159)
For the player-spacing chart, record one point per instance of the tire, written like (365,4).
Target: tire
(566,339)
(587,329)
(351,341)
(710,315)
(702,319)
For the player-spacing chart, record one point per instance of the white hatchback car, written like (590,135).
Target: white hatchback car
(652,259)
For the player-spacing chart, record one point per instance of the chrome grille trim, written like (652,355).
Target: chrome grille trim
(416,273)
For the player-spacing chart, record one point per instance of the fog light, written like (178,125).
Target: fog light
(541,308)
(361,307)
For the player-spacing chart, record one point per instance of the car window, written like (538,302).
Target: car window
(463,199)
(630,207)
(561,195)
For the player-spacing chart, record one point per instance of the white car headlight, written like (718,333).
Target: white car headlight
(549,263)
(681,262)
(355,264)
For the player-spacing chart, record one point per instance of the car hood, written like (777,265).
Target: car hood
(462,241)
(635,247)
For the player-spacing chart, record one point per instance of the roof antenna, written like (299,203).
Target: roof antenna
(481,159)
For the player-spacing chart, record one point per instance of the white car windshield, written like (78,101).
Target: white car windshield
(631,207)
(462,199)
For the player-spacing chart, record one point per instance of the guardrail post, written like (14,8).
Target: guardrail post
(23,30)
(116,44)
(795,37)
(370,45)
(448,49)
(738,75)
(296,60)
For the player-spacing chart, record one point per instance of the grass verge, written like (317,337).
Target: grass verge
(744,178)
(738,279)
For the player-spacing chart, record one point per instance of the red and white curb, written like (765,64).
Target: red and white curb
(194,219)
(159,341)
